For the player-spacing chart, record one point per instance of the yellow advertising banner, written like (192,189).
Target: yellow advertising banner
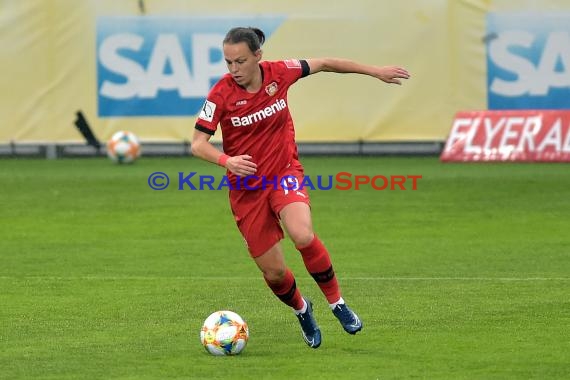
(146,66)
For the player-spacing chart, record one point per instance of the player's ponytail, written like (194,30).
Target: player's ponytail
(253,37)
(260,35)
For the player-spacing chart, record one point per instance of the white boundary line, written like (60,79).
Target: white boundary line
(237,278)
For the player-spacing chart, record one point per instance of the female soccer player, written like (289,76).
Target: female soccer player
(260,155)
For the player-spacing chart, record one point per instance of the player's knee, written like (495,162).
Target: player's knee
(274,275)
(302,237)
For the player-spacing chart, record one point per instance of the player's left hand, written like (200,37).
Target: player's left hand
(391,74)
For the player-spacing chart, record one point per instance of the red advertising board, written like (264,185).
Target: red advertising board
(525,135)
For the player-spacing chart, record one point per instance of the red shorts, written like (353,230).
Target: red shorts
(256,212)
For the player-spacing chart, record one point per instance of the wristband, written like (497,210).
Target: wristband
(223,159)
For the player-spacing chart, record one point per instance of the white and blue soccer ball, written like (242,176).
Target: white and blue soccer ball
(123,147)
(224,333)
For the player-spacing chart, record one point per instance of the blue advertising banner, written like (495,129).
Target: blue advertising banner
(162,66)
(528,60)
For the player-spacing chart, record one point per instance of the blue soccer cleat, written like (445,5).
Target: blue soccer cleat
(309,327)
(347,318)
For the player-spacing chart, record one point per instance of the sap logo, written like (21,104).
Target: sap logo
(528,63)
(162,66)
(531,79)
(167,68)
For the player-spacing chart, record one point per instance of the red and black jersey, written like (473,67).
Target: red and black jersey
(258,124)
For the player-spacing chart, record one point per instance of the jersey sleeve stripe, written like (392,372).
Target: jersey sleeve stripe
(204,129)
(305,69)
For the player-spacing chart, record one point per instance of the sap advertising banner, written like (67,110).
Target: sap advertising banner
(528,60)
(162,66)
(526,135)
(149,72)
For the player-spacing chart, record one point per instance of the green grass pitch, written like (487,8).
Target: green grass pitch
(468,277)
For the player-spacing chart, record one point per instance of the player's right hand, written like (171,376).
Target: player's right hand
(241,165)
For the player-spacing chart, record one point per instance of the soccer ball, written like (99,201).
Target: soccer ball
(123,147)
(224,333)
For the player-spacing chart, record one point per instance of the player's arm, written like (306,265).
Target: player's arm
(202,148)
(388,74)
